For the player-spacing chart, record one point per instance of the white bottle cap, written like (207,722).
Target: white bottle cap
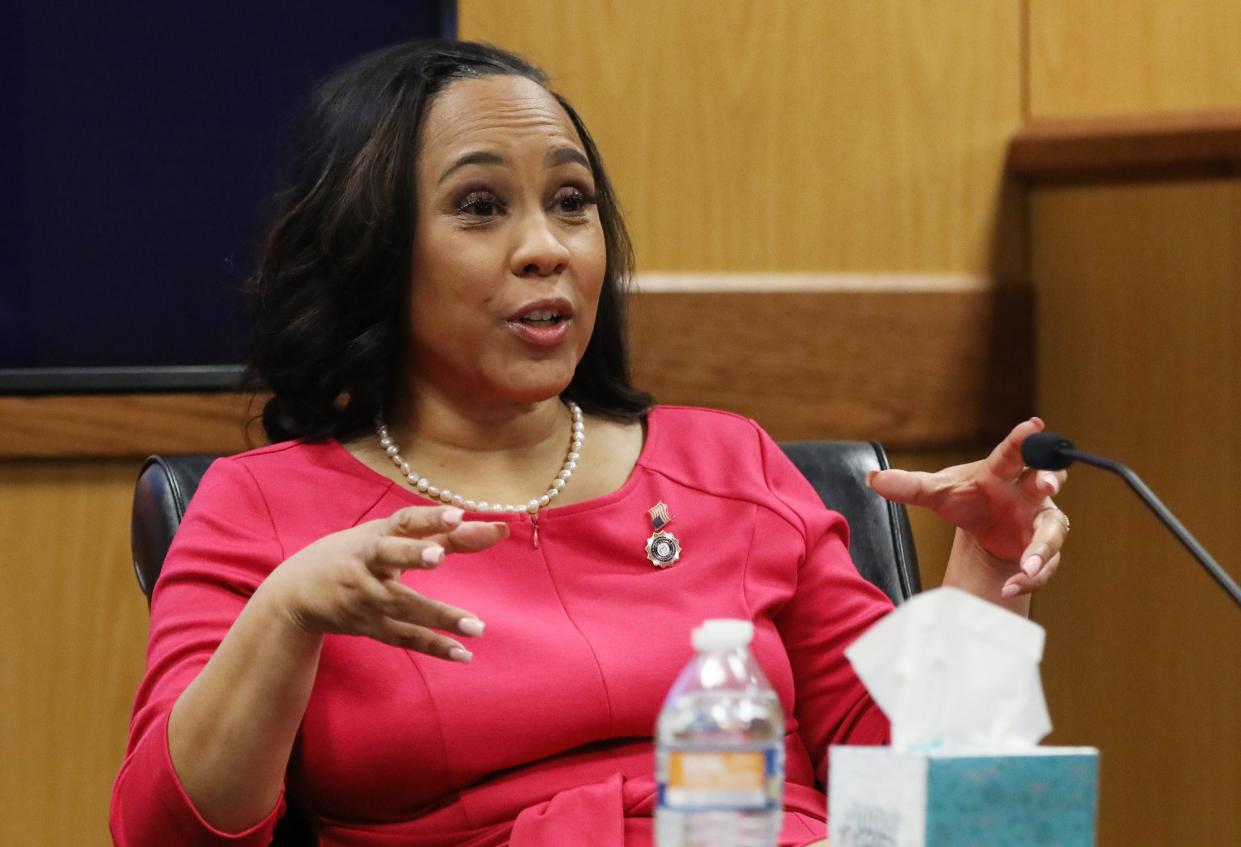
(719,634)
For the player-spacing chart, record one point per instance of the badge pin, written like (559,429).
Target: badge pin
(662,548)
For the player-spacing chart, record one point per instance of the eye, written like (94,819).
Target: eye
(572,201)
(479,204)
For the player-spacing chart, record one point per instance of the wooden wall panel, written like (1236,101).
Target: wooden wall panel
(918,369)
(1095,57)
(73,627)
(133,425)
(786,135)
(1139,339)
(775,136)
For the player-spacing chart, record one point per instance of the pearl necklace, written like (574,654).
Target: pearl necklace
(446,495)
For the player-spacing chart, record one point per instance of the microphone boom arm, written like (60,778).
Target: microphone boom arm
(1161,511)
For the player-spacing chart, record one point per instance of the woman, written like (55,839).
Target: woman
(306,634)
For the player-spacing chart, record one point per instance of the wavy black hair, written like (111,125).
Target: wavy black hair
(330,296)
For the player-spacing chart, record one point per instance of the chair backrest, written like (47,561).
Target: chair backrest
(165,486)
(880,542)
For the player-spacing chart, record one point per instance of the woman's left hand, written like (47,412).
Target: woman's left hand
(1004,507)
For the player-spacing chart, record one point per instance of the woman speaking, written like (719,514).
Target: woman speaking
(431,612)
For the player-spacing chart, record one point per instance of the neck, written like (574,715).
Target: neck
(496,455)
(438,423)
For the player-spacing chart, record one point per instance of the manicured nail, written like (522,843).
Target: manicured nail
(433,555)
(460,654)
(1031,565)
(1010,591)
(471,626)
(452,515)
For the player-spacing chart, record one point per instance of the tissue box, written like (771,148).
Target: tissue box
(880,797)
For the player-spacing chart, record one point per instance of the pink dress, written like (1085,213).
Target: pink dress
(545,738)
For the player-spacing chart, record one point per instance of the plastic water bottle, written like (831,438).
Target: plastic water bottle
(720,747)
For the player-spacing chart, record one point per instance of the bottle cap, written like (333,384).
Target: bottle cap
(718,634)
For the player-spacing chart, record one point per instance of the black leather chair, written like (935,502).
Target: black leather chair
(881,542)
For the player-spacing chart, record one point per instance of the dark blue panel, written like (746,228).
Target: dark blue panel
(141,141)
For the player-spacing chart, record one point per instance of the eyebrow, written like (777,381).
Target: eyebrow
(559,156)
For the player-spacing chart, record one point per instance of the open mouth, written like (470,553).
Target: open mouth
(541,318)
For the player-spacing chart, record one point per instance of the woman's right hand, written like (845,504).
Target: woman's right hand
(349,582)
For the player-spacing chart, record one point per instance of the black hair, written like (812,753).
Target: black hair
(330,296)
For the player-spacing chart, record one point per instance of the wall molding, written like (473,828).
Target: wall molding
(663,283)
(917,361)
(1166,145)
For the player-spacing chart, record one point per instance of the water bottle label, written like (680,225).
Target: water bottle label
(707,779)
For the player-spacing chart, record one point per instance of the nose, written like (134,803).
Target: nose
(538,250)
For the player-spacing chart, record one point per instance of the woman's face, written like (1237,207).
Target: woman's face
(508,251)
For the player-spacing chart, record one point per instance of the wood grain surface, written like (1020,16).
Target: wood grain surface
(133,425)
(920,370)
(1103,57)
(1157,145)
(1139,339)
(787,135)
(915,370)
(73,625)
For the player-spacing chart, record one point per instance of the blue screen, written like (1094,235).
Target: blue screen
(142,141)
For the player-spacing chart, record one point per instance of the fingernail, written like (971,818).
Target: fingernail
(1031,565)
(460,654)
(1051,484)
(452,515)
(870,478)
(471,626)
(1010,591)
(1036,419)
(433,555)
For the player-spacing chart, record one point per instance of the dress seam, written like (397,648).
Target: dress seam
(379,499)
(607,695)
(800,530)
(745,569)
(439,728)
(271,519)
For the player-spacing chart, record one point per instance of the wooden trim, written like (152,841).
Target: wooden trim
(1172,145)
(895,283)
(916,369)
(125,425)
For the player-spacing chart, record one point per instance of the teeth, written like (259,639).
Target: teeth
(540,316)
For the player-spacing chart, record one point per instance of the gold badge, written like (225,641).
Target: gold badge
(662,548)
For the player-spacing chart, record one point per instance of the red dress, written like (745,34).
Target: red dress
(545,738)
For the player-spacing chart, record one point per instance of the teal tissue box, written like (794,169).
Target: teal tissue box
(1044,797)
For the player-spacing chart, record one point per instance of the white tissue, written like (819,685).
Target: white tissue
(955,673)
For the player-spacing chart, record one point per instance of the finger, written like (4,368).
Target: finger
(1025,584)
(413,608)
(419,638)
(472,536)
(387,555)
(420,521)
(1038,484)
(1050,531)
(1005,461)
(913,488)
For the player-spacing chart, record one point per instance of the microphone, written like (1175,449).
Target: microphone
(1048,451)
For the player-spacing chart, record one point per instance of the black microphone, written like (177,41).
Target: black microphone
(1050,452)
